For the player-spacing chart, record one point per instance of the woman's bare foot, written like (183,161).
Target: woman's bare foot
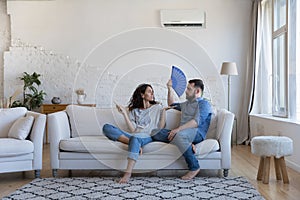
(190,175)
(125,178)
(194,148)
(141,151)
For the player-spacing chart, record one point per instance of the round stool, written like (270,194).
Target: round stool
(272,146)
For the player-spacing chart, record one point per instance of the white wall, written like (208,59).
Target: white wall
(58,35)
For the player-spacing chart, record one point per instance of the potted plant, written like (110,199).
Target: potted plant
(32,97)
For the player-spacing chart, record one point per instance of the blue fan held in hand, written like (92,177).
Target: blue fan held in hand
(178,80)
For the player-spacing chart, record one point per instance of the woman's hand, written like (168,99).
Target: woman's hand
(121,109)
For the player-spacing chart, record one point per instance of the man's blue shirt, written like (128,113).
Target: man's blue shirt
(199,110)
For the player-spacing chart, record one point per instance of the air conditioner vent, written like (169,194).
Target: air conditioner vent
(182,18)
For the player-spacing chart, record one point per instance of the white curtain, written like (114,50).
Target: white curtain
(262,102)
(246,106)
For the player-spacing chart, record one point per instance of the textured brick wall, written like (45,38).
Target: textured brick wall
(113,69)
(4,40)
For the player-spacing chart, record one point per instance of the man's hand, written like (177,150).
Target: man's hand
(172,133)
(169,83)
(168,108)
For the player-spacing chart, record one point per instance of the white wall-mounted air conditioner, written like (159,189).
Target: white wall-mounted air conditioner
(182,18)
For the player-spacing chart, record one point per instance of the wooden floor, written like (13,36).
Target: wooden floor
(243,164)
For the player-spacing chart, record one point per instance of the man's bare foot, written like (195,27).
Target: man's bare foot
(125,178)
(190,175)
(194,148)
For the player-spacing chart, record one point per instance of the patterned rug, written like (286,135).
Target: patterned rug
(150,188)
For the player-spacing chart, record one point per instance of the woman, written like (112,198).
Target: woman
(145,114)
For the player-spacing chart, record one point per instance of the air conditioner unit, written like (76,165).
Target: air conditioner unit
(182,18)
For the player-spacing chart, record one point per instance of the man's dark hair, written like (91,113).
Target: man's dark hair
(197,83)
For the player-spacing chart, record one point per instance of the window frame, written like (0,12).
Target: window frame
(283,30)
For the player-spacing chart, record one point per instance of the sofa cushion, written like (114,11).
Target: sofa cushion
(102,145)
(92,144)
(83,120)
(212,132)
(88,121)
(172,119)
(14,147)
(8,117)
(206,146)
(21,128)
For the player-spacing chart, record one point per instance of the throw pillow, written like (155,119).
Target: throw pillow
(212,130)
(7,117)
(21,128)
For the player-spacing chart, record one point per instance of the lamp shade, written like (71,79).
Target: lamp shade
(229,68)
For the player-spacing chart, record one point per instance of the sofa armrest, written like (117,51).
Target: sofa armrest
(225,120)
(37,136)
(58,129)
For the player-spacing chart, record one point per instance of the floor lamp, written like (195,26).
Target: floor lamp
(229,69)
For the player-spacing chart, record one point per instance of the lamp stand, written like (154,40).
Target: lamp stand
(228,100)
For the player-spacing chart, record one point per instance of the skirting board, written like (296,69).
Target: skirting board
(292,165)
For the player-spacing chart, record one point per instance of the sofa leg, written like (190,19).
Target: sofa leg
(225,172)
(37,173)
(54,172)
(70,173)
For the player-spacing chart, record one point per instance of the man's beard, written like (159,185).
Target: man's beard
(190,98)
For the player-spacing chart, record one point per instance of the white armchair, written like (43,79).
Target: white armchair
(21,140)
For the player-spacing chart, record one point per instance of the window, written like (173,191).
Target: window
(280,59)
(277,72)
(297,43)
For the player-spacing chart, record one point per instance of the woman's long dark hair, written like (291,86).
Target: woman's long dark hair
(136,101)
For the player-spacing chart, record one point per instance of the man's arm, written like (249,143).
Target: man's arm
(170,93)
(190,124)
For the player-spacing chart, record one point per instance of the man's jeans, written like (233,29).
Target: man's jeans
(136,141)
(183,140)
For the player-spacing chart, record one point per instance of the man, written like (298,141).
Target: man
(194,123)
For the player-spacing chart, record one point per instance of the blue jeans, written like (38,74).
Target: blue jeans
(136,141)
(183,140)
(113,132)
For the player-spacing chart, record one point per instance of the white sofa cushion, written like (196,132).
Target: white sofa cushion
(92,144)
(100,144)
(83,120)
(172,119)
(14,147)
(212,132)
(206,146)
(8,117)
(21,128)
(88,121)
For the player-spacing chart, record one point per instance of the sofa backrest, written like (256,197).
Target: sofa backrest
(172,119)
(221,122)
(86,120)
(7,117)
